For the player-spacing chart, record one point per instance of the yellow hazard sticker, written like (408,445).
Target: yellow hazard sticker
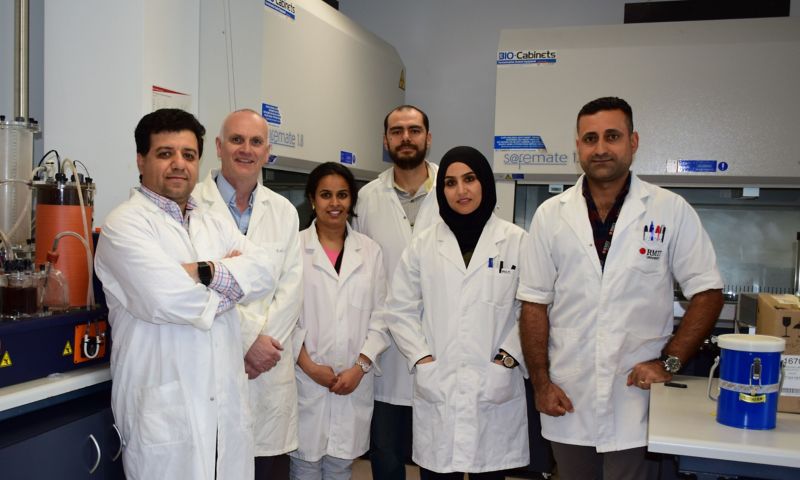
(5,361)
(67,350)
(752,398)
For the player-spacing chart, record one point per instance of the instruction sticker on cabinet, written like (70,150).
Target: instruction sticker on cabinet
(791,376)
(696,166)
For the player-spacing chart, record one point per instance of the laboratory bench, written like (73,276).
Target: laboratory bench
(60,426)
(683,424)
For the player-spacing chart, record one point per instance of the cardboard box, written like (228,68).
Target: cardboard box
(779,316)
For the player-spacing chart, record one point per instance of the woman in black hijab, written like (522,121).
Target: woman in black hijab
(471,207)
(453,313)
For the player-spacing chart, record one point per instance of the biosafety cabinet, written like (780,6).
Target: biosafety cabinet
(716,106)
(323,83)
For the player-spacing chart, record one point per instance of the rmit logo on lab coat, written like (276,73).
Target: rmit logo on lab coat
(650,253)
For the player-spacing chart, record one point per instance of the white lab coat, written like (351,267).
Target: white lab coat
(339,321)
(273,394)
(604,323)
(179,391)
(380,216)
(470,413)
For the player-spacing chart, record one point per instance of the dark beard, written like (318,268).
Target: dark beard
(409,163)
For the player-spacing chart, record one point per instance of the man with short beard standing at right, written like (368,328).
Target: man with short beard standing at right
(390,210)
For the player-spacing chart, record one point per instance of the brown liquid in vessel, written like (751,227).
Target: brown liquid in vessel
(14,300)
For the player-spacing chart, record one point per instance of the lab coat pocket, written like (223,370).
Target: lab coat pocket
(360,292)
(500,385)
(567,352)
(637,348)
(426,383)
(649,259)
(501,288)
(277,251)
(164,416)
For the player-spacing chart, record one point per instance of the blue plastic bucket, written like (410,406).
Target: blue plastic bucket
(749,380)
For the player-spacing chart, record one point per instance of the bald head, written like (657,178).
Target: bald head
(242,113)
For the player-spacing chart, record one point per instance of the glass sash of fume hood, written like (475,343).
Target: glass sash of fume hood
(753,230)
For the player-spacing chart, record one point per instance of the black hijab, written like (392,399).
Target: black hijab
(467,228)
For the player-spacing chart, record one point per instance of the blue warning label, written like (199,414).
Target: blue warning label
(347,158)
(271,113)
(518,142)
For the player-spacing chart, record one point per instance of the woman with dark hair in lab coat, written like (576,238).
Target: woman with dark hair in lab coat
(344,284)
(452,312)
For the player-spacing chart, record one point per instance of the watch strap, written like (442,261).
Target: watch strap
(204,273)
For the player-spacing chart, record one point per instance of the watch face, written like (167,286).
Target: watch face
(508,361)
(204,273)
(364,366)
(672,364)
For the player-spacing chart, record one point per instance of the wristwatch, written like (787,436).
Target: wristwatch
(671,363)
(365,367)
(508,360)
(204,272)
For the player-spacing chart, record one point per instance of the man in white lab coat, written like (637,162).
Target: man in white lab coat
(597,291)
(269,220)
(390,210)
(172,272)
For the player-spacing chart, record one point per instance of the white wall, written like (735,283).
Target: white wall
(449,49)
(98,79)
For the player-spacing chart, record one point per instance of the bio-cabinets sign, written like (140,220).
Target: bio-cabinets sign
(525,57)
(281,6)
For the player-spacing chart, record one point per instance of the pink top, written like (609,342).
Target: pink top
(332,255)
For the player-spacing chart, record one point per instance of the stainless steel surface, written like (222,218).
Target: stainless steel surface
(21,24)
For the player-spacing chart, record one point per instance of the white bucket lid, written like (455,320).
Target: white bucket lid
(751,343)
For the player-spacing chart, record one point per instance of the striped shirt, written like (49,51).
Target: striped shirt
(222,282)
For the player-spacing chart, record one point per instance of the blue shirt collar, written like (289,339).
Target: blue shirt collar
(228,194)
